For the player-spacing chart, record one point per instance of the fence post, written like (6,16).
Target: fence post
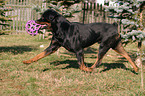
(84,9)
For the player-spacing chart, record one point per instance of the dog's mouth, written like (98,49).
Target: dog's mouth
(44,25)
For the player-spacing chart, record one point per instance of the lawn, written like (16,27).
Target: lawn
(59,73)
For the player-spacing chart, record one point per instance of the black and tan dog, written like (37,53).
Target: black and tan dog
(76,36)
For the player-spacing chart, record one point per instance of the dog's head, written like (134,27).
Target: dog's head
(47,17)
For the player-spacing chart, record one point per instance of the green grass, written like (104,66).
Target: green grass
(60,75)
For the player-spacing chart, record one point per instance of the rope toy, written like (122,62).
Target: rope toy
(32,27)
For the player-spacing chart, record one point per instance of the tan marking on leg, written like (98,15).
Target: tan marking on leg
(36,58)
(119,49)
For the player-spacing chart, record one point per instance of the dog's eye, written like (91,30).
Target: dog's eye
(51,17)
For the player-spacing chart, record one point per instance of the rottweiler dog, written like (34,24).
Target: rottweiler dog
(75,37)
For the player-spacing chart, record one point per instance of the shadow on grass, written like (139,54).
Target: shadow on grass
(73,64)
(109,66)
(17,49)
(69,63)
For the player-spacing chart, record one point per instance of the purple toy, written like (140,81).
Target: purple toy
(32,27)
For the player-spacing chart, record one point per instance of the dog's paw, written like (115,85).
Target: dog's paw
(90,69)
(27,62)
(136,69)
(87,69)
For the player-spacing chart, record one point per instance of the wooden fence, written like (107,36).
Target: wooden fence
(22,12)
(93,12)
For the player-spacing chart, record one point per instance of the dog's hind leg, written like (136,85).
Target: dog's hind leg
(51,49)
(119,49)
(102,51)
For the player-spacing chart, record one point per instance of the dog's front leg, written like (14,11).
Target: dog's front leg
(80,57)
(51,49)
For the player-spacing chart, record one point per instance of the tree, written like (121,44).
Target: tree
(129,14)
(61,6)
(4,19)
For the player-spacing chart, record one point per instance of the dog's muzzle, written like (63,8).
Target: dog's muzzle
(44,26)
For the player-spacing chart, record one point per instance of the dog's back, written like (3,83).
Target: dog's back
(96,32)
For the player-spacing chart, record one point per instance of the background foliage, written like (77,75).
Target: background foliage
(4,19)
(126,12)
(61,6)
